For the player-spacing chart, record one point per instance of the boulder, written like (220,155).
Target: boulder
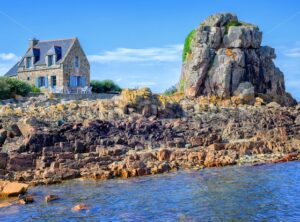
(3,160)
(297,120)
(14,189)
(50,198)
(15,130)
(246,92)
(27,199)
(224,56)
(19,162)
(28,125)
(164,154)
(273,105)
(3,135)
(79,147)
(80,207)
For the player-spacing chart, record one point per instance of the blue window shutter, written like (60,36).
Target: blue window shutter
(83,81)
(37,82)
(72,81)
(77,80)
(46,81)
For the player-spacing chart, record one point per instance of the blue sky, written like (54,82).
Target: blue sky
(138,42)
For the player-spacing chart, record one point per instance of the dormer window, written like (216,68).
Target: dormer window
(76,62)
(53,55)
(50,60)
(28,62)
(31,57)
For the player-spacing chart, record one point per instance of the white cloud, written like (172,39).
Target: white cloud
(8,56)
(165,54)
(7,61)
(292,52)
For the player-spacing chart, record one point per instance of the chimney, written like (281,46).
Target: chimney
(33,42)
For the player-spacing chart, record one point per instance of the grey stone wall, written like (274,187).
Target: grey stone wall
(84,96)
(29,75)
(68,64)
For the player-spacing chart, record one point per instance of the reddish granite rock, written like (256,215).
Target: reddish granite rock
(13,188)
(80,207)
(51,197)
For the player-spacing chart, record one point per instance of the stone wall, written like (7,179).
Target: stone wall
(29,75)
(68,64)
(93,96)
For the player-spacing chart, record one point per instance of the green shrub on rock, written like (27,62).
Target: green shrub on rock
(187,45)
(170,91)
(104,86)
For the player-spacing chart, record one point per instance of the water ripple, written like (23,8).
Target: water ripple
(261,193)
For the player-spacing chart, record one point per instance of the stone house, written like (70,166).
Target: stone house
(54,65)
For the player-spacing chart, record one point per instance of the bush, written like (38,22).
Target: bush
(4,89)
(187,45)
(170,91)
(104,86)
(35,89)
(10,87)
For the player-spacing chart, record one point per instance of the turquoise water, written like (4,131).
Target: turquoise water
(260,193)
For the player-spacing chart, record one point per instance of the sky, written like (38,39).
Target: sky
(139,42)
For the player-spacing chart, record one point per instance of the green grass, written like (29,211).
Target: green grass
(187,45)
(35,89)
(230,24)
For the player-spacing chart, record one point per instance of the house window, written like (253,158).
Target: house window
(76,62)
(53,81)
(41,81)
(77,81)
(28,62)
(50,60)
(28,78)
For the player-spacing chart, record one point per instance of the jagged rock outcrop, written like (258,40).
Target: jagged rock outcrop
(223,55)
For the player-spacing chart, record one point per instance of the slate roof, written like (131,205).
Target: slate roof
(54,50)
(45,46)
(32,52)
(13,71)
(41,50)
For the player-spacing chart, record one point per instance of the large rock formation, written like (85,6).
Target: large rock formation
(224,55)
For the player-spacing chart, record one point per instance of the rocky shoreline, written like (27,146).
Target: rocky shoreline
(46,140)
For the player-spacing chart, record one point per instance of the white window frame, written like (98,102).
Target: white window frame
(48,59)
(26,62)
